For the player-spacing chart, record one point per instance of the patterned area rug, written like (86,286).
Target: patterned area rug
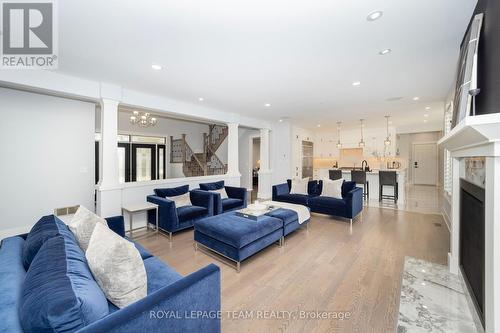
(432,300)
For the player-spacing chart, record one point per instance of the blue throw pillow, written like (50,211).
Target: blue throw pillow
(347,187)
(171,192)
(46,228)
(59,293)
(212,186)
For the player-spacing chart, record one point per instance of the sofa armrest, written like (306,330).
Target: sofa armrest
(354,201)
(202,199)
(280,189)
(167,213)
(237,193)
(191,304)
(117,224)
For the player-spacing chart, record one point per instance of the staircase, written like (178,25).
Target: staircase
(200,164)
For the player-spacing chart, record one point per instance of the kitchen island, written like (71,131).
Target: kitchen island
(372,178)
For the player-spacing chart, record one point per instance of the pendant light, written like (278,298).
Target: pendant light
(387,141)
(361,143)
(339,145)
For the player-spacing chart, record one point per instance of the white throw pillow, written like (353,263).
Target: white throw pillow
(222,192)
(181,200)
(82,225)
(332,188)
(117,267)
(299,186)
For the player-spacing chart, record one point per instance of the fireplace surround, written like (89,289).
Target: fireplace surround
(478,136)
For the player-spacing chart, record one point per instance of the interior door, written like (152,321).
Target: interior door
(425,161)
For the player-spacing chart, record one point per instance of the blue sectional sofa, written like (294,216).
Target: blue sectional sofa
(46,286)
(237,197)
(350,206)
(172,218)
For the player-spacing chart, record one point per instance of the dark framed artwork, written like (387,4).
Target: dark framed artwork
(467,71)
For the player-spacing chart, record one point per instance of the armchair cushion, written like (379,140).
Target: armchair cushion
(230,203)
(187,213)
(347,187)
(171,192)
(59,292)
(212,186)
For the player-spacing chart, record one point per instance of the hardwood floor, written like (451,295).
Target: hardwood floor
(326,268)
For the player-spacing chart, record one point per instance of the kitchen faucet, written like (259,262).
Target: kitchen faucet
(363,167)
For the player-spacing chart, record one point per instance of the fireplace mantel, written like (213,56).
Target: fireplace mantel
(474,136)
(479,136)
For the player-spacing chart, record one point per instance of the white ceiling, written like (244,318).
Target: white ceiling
(300,56)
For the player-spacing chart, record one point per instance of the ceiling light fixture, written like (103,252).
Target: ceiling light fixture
(387,140)
(375,15)
(267,105)
(156,67)
(280,120)
(201,99)
(416,98)
(427,107)
(339,145)
(142,119)
(361,143)
(319,125)
(356,83)
(384,52)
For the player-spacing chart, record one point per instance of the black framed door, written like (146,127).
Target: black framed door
(143,162)
(124,162)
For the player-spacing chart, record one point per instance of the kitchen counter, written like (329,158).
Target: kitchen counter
(372,179)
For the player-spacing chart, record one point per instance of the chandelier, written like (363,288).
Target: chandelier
(142,119)
(387,140)
(339,144)
(361,143)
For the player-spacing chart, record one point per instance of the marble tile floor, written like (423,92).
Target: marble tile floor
(432,300)
(419,199)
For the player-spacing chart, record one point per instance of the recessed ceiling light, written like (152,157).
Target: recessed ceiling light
(426,115)
(416,98)
(375,15)
(267,105)
(319,125)
(281,120)
(384,52)
(356,83)
(201,99)
(427,107)
(156,67)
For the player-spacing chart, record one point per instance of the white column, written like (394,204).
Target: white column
(492,245)
(265,173)
(455,217)
(109,191)
(233,169)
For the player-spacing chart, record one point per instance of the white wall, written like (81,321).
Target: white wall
(47,149)
(281,152)
(405,143)
(244,155)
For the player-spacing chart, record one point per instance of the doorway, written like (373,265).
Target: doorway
(254,165)
(425,163)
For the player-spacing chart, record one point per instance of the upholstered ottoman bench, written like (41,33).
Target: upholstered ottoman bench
(290,220)
(235,237)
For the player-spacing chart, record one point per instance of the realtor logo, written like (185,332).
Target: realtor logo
(28,34)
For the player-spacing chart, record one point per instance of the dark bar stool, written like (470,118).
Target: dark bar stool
(387,178)
(334,174)
(359,177)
